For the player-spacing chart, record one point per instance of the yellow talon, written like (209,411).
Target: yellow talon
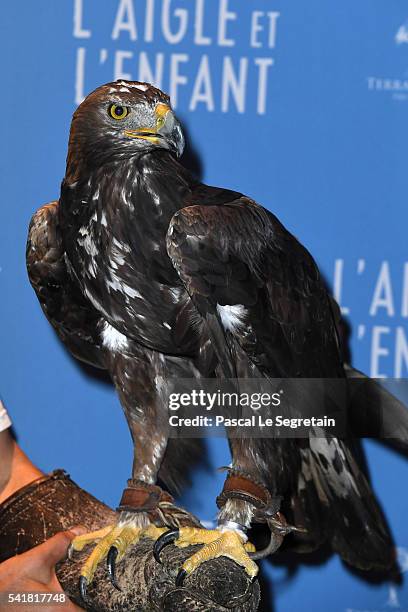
(194,535)
(153,532)
(121,537)
(98,554)
(216,544)
(92,537)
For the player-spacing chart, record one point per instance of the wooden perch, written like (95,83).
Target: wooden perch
(54,503)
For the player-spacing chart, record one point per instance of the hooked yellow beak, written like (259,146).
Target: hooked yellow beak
(150,134)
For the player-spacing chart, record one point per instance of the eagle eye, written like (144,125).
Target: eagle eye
(117,111)
(160,122)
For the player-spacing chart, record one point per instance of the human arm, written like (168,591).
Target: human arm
(16,469)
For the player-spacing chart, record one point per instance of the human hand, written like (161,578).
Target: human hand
(34,571)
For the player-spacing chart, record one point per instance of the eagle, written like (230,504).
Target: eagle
(147,273)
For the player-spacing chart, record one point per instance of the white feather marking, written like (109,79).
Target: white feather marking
(127,201)
(126,84)
(160,383)
(121,246)
(139,86)
(232,316)
(92,268)
(113,284)
(131,292)
(89,246)
(341,481)
(116,260)
(176,293)
(112,338)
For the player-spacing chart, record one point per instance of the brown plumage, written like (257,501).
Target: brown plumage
(138,266)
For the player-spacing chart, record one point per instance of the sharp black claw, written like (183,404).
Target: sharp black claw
(83,583)
(111,563)
(180,577)
(274,543)
(164,540)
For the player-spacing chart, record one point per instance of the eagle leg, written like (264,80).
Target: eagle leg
(217,543)
(145,509)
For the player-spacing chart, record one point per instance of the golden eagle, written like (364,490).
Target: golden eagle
(150,274)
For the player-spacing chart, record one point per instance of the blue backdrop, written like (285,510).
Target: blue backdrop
(303,106)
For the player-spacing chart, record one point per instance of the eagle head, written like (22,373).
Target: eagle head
(121,119)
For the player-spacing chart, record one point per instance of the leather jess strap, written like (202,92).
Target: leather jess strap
(241,487)
(140,496)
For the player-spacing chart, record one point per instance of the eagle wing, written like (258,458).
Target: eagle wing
(264,301)
(256,284)
(72,317)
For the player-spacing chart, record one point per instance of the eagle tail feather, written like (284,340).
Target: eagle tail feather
(330,497)
(375,412)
